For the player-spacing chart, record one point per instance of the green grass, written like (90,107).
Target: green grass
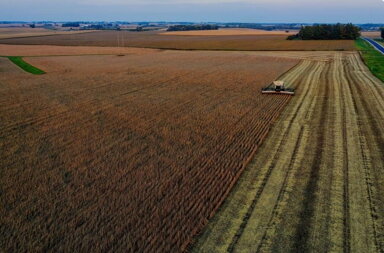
(380,41)
(372,58)
(18,60)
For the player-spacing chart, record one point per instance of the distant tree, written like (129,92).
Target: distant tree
(382,32)
(328,32)
(306,33)
(32,25)
(192,27)
(71,24)
(95,27)
(293,37)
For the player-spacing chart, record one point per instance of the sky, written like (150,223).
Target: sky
(252,11)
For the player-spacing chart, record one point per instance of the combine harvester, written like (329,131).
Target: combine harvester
(278,88)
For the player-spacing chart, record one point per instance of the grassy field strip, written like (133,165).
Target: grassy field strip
(317,180)
(374,86)
(373,58)
(18,60)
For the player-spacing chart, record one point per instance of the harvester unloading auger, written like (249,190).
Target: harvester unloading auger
(278,87)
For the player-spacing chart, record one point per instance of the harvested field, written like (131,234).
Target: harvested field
(6,33)
(133,153)
(36,50)
(316,183)
(156,40)
(373,35)
(229,31)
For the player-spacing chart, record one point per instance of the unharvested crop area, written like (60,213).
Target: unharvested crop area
(157,40)
(132,153)
(316,184)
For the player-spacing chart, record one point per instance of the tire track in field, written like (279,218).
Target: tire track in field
(306,112)
(359,226)
(370,131)
(264,190)
(366,163)
(284,186)
(270,169)
(332,203)
(377,148)
(302,234)
(346,210)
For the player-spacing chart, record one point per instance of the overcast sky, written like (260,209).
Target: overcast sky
(356,11)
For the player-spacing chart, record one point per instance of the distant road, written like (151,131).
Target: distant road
(376,45)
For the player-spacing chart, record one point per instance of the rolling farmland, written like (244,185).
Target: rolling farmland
(229,31)
(161,41)
(316,183)
(6,33)
(139,153)
(133,153)
(38,50)
(218,126)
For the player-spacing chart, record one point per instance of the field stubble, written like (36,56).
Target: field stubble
(316,183)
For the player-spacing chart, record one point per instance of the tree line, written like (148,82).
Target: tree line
(192,27)
(327,32)
(71,24)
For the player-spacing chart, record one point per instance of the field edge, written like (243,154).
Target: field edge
(372,58)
